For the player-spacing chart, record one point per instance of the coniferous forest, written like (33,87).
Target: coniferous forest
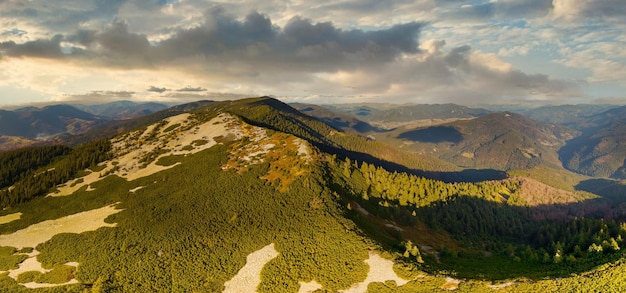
(190,227)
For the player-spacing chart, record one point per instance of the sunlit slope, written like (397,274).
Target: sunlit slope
(193,197)
(276,115)
(252,196)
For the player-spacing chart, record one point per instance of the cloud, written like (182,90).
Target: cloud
(120,47)
(191,89)
(574,10)
(351,49)
(499,10)
(157,89)
(98,96)
(459,75)
(224,39)
(40,48)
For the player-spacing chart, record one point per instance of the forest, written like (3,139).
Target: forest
(31,172)
(485,216)
(204,233)
(190,228)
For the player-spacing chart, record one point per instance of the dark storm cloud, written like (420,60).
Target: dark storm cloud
(457,58)
(117,40)
(40,48)
(224,39)
(83,37)
(218,34)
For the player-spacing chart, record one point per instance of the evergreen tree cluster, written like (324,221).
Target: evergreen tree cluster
(34,171)
(19,163)
(368,181)
(196,236)
(485,216)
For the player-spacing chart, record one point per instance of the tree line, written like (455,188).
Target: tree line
(33,172)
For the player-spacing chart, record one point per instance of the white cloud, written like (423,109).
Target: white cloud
(317,49)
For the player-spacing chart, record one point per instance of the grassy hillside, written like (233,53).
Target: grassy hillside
(196,194)
(273,114)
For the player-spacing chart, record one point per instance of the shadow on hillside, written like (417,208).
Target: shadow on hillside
(467,175)
(435,134)
(342,125)
(606,188)
(494,234)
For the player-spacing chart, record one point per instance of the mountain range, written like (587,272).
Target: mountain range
(33,126)
(258,195)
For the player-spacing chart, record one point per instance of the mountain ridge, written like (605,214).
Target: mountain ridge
(198,190)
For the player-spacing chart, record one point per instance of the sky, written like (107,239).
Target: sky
(529,52)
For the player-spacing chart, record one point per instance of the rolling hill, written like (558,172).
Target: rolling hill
(121,110)
(601,149)
(39,123)
(253,195)
(390,116)
(343,122)
(572,116)
(502,141)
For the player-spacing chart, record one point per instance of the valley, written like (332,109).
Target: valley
(254,195)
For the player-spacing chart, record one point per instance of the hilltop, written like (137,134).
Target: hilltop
(254,195)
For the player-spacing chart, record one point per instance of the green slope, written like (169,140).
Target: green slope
(191,226)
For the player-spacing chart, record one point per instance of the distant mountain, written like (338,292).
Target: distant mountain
(15,142)
(360,111)
(389,116)
(255,196)
(573,116)
(114,127)
(404,113)
(418,112)
(122,109)
(40,123)
(502,141)
(343,122)
(601,149)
